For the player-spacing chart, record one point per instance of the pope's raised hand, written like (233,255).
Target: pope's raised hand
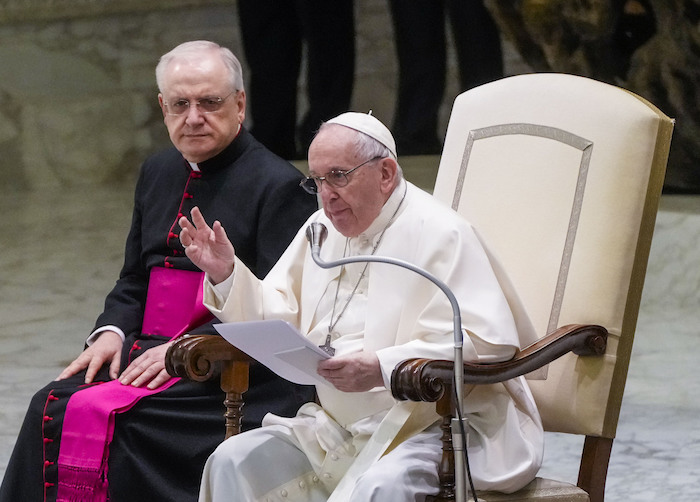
(208,247)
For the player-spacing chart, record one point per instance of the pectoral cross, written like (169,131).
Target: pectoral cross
(326,347)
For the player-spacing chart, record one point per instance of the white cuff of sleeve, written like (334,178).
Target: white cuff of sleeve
(95,334)
(222,289)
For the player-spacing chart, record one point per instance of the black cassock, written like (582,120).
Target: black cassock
(160,445)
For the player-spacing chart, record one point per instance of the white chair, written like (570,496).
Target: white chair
(561,176)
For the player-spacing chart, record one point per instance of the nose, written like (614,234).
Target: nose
(194,115)
(327,191)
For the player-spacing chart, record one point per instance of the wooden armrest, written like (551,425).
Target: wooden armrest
(196,357)
(425,379)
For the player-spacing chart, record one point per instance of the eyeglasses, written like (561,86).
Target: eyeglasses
(335,178)
(208,104)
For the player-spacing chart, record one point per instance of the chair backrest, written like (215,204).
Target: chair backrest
(561,175)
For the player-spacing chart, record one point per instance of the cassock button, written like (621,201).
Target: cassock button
(327,475)
(302,485)
(334,456)
(283,493)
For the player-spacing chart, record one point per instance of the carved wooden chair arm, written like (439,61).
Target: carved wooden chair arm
(425,379)
(432,380)
(198,357)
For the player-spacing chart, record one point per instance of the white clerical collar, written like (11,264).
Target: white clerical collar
(194,165)
(389,210)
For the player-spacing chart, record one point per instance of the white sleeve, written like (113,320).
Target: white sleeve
(95,334)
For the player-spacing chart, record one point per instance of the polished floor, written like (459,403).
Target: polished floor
(61,253)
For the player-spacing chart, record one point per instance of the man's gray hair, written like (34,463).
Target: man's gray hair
(366,146)
(193,50)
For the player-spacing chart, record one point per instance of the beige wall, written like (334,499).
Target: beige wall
(77,90)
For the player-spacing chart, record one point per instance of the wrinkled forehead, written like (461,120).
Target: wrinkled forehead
(334,147)
(206,74)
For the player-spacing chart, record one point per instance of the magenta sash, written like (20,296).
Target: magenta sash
(173,306)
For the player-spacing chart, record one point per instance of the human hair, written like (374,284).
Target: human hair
(192,50)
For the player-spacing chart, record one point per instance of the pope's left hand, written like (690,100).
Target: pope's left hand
(358,372)
(148,368)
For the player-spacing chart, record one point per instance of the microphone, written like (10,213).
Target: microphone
(316,234)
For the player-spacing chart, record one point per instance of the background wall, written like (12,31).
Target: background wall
(78,95)
(77,88)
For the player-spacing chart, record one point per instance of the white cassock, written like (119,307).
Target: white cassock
(397,314)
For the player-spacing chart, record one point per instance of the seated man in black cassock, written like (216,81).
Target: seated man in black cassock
(114,425)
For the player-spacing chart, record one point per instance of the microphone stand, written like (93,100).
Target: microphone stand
(316,233)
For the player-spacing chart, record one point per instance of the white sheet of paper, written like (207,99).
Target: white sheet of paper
(279,346)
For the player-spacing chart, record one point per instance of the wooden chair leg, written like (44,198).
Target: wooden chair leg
(234,382)
(594,466)
(446,471)
(196,357)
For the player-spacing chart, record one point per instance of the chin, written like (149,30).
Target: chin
(197,154)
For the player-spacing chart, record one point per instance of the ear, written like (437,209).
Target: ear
(389,170)
(240,106)
(161,104)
